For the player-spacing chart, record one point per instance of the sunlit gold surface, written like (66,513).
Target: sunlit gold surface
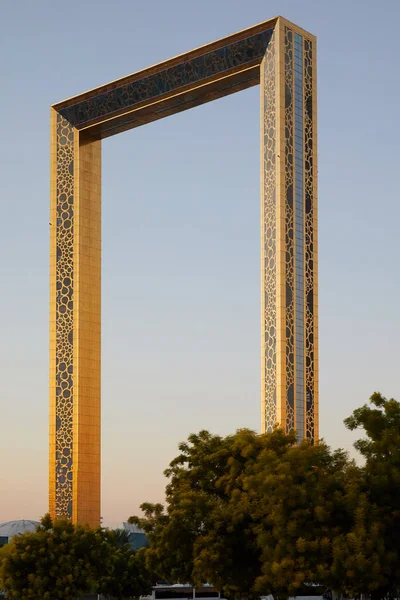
(85,430)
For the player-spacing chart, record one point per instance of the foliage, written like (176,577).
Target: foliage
(118,537)
(63,561)
(126,575)
(58,561)
(260,514)
(251,514)
(201,532)
(247,513)
(300,511)
(368,558)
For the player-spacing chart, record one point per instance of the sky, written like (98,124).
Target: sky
(181,288)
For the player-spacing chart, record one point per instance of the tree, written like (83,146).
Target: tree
(367,559)
(228,553)
(63,561)
(126,575)
(118,538)
(248,513)
(299,509)
(58,561)
(200,536)
(359,555)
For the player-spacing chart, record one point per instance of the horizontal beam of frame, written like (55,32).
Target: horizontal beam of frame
(175,104)
(212,71)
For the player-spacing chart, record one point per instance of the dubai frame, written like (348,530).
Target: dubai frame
(280,57)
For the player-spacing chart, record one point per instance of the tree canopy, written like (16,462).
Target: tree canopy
(259,514)
(58,561)
(125,575)
(251,514)
(63,561)
(368,557)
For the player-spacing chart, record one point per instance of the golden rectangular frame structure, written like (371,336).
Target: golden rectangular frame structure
(279,56)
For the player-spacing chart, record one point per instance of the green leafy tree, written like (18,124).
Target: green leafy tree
(58,561)
(248,513)
(299,508)
(118,537)
(359,555)
(126,575)
(367,559)
(201,536)
(228,552)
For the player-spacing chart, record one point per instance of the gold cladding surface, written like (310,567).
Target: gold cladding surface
(280,225)
(289,231)
(63,304)
(86,504)
(74,487)
(268,237)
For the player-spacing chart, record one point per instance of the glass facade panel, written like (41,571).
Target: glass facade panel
(299,231)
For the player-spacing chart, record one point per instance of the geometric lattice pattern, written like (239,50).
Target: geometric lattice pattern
(300,395)
(268,235)
(189,72)
(279,56)
(64,316)
(310,251)
(289,232)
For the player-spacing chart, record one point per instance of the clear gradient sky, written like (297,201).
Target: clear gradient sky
(181,233)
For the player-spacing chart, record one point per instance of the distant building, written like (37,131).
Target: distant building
(9,529)
(137,537)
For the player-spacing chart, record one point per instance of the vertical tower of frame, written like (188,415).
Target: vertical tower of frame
(289,297)
(75,260)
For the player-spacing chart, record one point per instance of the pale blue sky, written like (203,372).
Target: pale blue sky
(181,233)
